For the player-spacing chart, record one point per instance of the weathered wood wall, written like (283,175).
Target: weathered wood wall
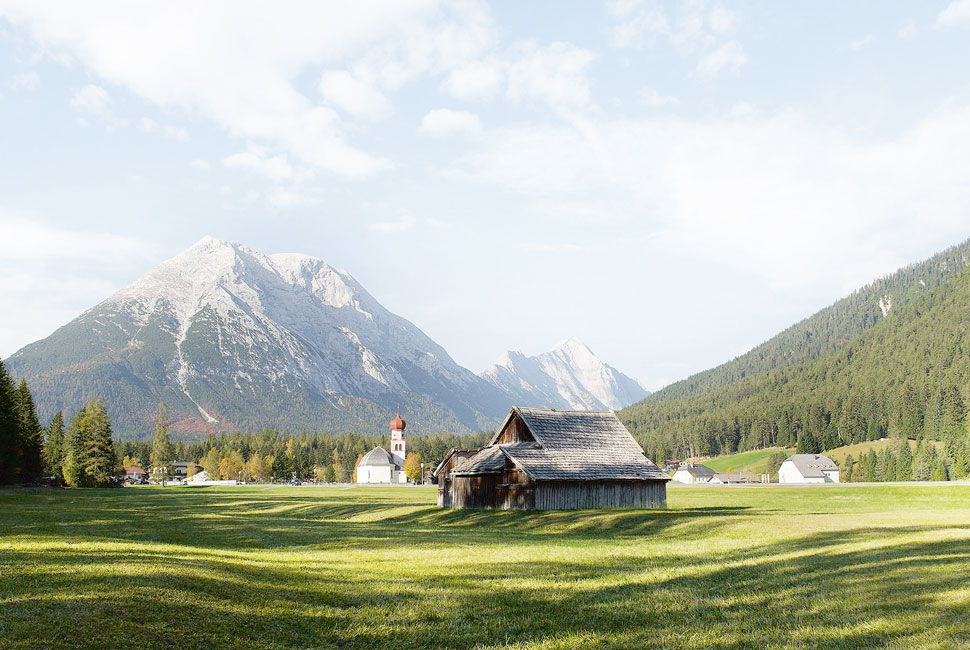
(495,491)
(573,495)
(515,431)
(475,491)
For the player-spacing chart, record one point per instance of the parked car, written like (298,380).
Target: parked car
(296,481)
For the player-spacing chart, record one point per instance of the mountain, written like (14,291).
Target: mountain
(905,377)
(832,327)
(231,339)
(568,377)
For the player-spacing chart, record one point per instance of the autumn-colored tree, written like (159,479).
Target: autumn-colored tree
(412,467)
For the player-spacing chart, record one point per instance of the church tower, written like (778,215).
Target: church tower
(397,438)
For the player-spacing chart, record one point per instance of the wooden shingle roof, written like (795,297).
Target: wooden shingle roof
(568,446)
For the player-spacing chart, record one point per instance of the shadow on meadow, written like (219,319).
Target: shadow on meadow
(855,588)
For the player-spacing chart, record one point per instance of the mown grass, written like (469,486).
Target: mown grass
(748,462)
(726,567)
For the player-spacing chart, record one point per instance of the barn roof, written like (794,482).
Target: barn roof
(697,470)
(812,465)
(569,446)
(460,452)
(377,457)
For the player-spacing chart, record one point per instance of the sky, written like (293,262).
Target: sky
(672,182)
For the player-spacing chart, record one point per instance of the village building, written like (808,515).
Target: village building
(693,473)
(728,478)
(382,466)
(808,468)
(135,474)
(544,459)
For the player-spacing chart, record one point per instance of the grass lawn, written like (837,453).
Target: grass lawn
(749,462)
(723,567)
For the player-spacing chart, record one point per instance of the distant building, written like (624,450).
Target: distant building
(182,468)
(382,466)
(725,478)
(808,468)
(544,459)
(694,473)
(135,474)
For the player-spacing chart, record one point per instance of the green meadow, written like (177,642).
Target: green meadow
(850,566)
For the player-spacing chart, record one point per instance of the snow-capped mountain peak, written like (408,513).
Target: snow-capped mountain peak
(570,376)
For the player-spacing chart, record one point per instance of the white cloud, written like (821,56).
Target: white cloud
(352,95)
(699,28)
(91,99)
(750,193)
(860,43)
(477,80)
(201,165)
(25,81)
(237,64)
(729,56)
(554,74)
(148,125)
(651,98)
(908,31)
(443,122)
(256,159)
(956,13)
(401,224)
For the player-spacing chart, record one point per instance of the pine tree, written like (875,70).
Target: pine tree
(10,451)
(162,450)
(869,463)
(74,456)
(940,472)
(329,475)
(102,467)
(31,436)
(904,462)
(54,447)
(849,469)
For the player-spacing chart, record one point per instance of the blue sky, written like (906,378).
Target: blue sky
(671,182)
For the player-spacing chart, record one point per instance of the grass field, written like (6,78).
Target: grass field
(727,567)
(749,462)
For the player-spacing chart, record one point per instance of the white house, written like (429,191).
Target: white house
(808,468)
(693,473)
(381,466)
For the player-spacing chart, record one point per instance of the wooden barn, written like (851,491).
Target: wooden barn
(543,459)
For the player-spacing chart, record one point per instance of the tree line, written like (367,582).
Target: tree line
(83,455)
(272,455)
(905,378)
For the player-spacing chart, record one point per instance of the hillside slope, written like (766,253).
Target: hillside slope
(907,376)
(832,327)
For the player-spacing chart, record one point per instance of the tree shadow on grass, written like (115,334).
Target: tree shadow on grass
(104,574)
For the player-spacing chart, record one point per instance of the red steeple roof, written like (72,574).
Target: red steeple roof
(397,424)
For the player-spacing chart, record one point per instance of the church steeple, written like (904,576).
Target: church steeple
(397,438)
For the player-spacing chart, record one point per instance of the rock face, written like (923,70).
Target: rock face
(233,339)
(568,377)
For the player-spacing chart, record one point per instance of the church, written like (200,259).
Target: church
(382,466)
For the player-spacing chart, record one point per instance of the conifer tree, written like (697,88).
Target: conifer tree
(74,456)
(54,447)
(869,463)
(162,450)
(940,472)
(102,467)
(904,462)
(10,451)
(31,440)
(849,469)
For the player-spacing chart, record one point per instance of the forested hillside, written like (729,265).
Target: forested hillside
(905,377)
(830,328)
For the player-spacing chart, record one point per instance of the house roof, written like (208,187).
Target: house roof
(697,470)
(812,465)
(569,445)
(134,469)
(460,452)
(733,477)
(378,457)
